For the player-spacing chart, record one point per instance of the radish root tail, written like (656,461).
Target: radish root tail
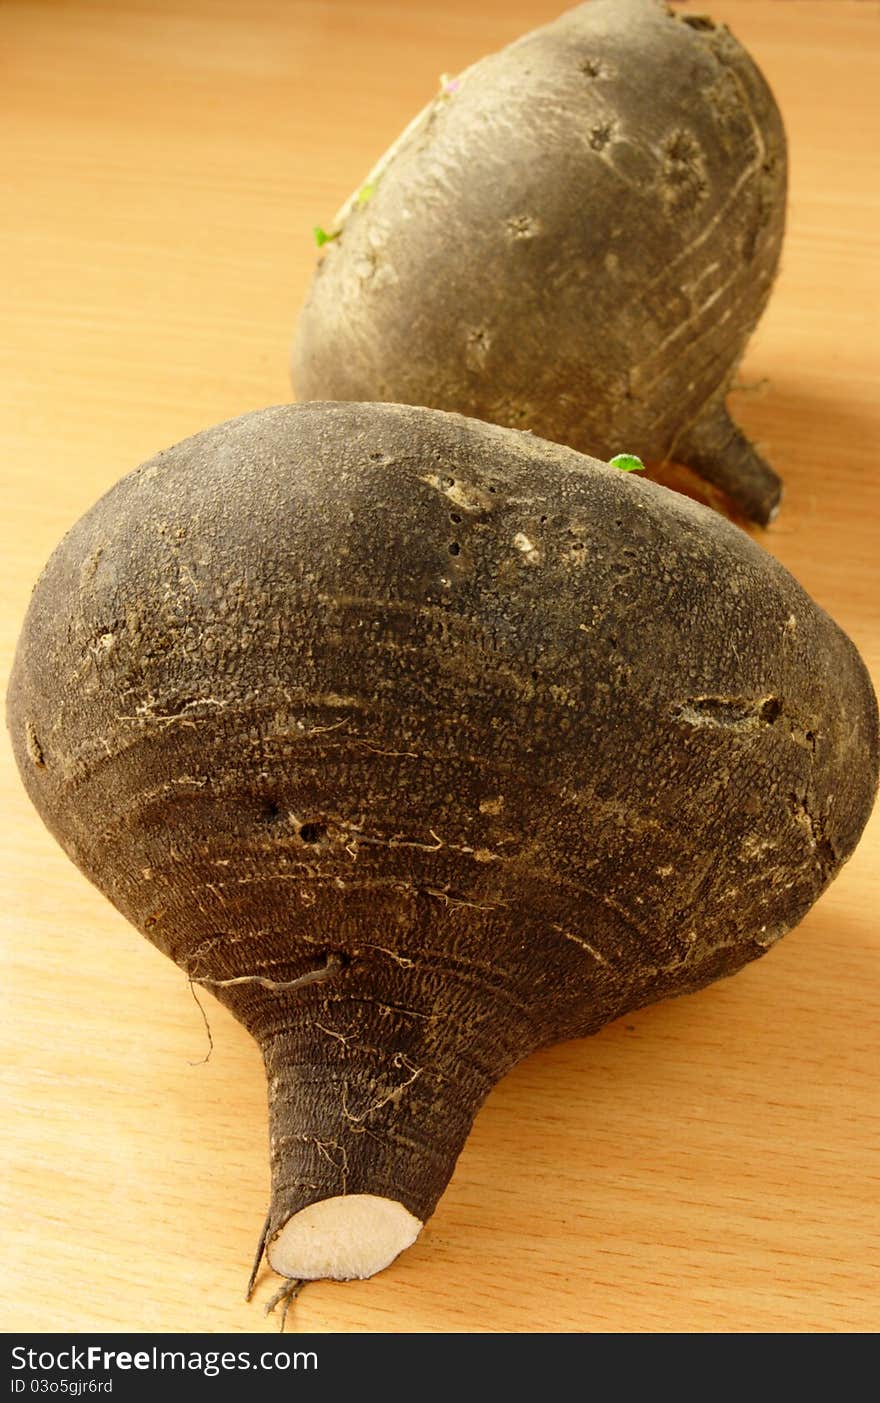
(720,453)
(261,1248)
(288,1294)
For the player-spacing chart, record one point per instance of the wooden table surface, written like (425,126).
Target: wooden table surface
(710,1164)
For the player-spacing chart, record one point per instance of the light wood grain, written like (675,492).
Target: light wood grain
(707,1165)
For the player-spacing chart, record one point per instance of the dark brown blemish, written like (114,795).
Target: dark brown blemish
(477,348)
(601,135)
(312,832)
(733,713)
(33,746)
(683,179)
(826,856)
(698,21)
(522,226)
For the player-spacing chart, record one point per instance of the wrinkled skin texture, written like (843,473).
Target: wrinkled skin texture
(576,239)
(493,740)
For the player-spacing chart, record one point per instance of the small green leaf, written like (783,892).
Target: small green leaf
(627,462)
(322,237)
(365,193)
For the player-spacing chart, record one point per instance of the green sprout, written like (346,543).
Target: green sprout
(627,462)
(365,193)
(322,237)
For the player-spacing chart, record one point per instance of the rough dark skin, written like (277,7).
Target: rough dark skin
(473,742)
(576,237)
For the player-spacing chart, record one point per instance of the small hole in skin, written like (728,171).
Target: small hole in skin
(312,832)
(454,516)
(271,811)
(535,674)
(454,548)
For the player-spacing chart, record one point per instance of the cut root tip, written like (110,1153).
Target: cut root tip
(346,1238)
